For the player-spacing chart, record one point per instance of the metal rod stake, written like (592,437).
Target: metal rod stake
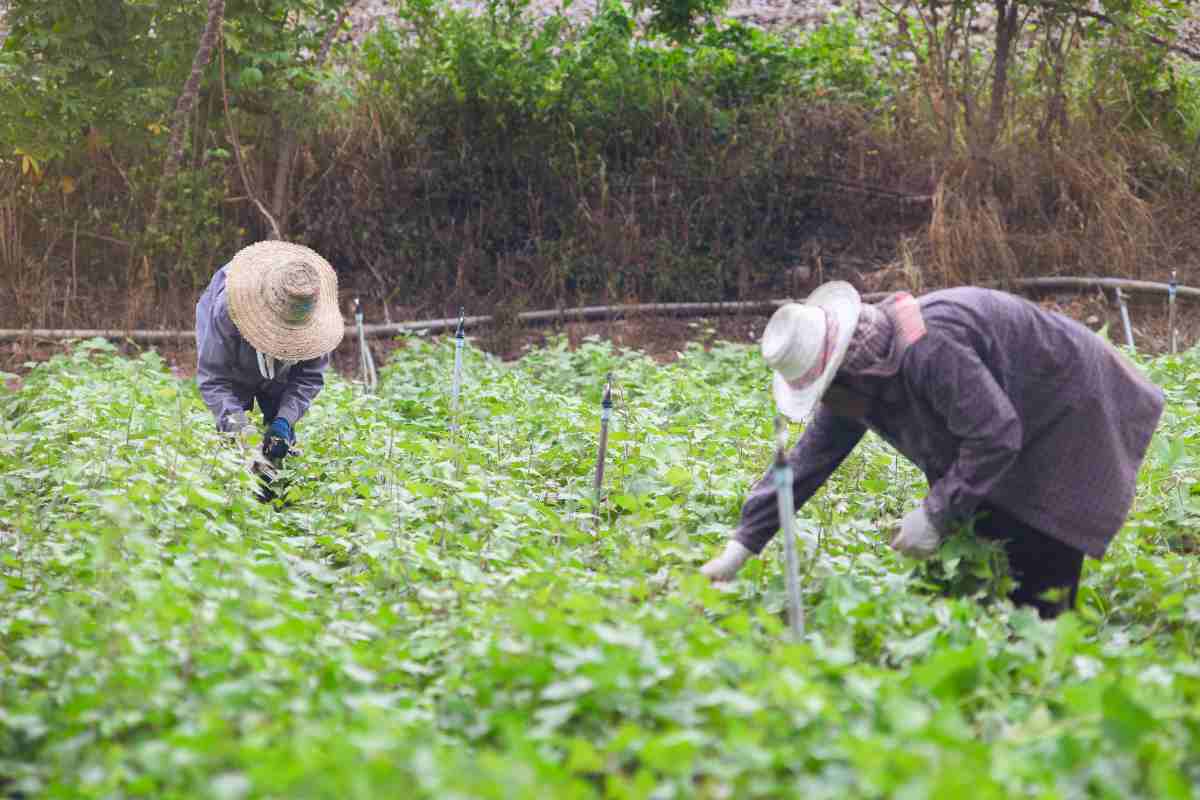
(1125,319)
(1172,290)
(365,360)
(787,514)
(602,447)
(456,383)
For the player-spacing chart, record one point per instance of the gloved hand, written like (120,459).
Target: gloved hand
(726,565)
(917,538)
(279,437)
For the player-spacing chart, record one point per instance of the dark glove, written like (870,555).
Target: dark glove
(278,439)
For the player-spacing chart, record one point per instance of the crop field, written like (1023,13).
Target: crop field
(439,611)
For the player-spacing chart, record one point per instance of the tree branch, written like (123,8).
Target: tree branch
(237,151)
(187,101)
(1190,52)
(288,147)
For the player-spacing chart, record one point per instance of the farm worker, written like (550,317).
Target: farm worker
(1020,418)
(265,328)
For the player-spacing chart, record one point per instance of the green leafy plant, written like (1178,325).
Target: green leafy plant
(967,566)
(436,613)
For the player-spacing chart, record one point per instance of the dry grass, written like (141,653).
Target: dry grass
(10,229)
(691,207)
(1040,211)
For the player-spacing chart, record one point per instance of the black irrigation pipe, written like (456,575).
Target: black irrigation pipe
(592,313)
(580,314)
(1104,283)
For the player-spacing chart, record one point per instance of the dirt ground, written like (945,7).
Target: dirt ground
(662,338)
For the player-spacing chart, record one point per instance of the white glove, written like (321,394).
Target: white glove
(726,565)
(917,537)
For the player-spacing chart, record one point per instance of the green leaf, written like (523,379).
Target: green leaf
(1125,721)
(678,476)
(250,77)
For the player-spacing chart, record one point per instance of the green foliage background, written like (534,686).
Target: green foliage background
(437,615)
(490,155)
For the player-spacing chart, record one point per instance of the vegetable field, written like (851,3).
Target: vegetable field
(443,613)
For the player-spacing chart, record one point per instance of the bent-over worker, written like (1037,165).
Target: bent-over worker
(1021,419)
(265,328)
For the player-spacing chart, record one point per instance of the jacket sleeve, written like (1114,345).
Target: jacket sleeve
(304,382)
(958,386)
(823,446)
(216,349)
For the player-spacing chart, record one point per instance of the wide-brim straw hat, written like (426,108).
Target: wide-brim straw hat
(283,300)
(805,344)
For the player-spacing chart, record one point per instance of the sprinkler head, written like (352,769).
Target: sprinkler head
(781,433)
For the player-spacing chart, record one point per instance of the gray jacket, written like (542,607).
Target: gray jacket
(227,369)
(996,400)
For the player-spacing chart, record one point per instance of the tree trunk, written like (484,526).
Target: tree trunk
(280,195)
(1007,25)
(283,176)
(187,101)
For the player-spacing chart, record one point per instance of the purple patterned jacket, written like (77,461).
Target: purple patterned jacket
(996,400)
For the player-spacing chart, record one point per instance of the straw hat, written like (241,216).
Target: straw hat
(805,343)
(283,300)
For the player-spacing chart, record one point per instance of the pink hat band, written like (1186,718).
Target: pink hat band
(818,368)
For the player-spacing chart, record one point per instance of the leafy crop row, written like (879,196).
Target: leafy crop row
(440,614)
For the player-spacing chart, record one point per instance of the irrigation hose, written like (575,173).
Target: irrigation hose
(589,313)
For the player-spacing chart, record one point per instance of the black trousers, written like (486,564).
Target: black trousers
(1036,561)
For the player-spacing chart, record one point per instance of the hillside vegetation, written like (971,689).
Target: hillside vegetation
(643,152)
